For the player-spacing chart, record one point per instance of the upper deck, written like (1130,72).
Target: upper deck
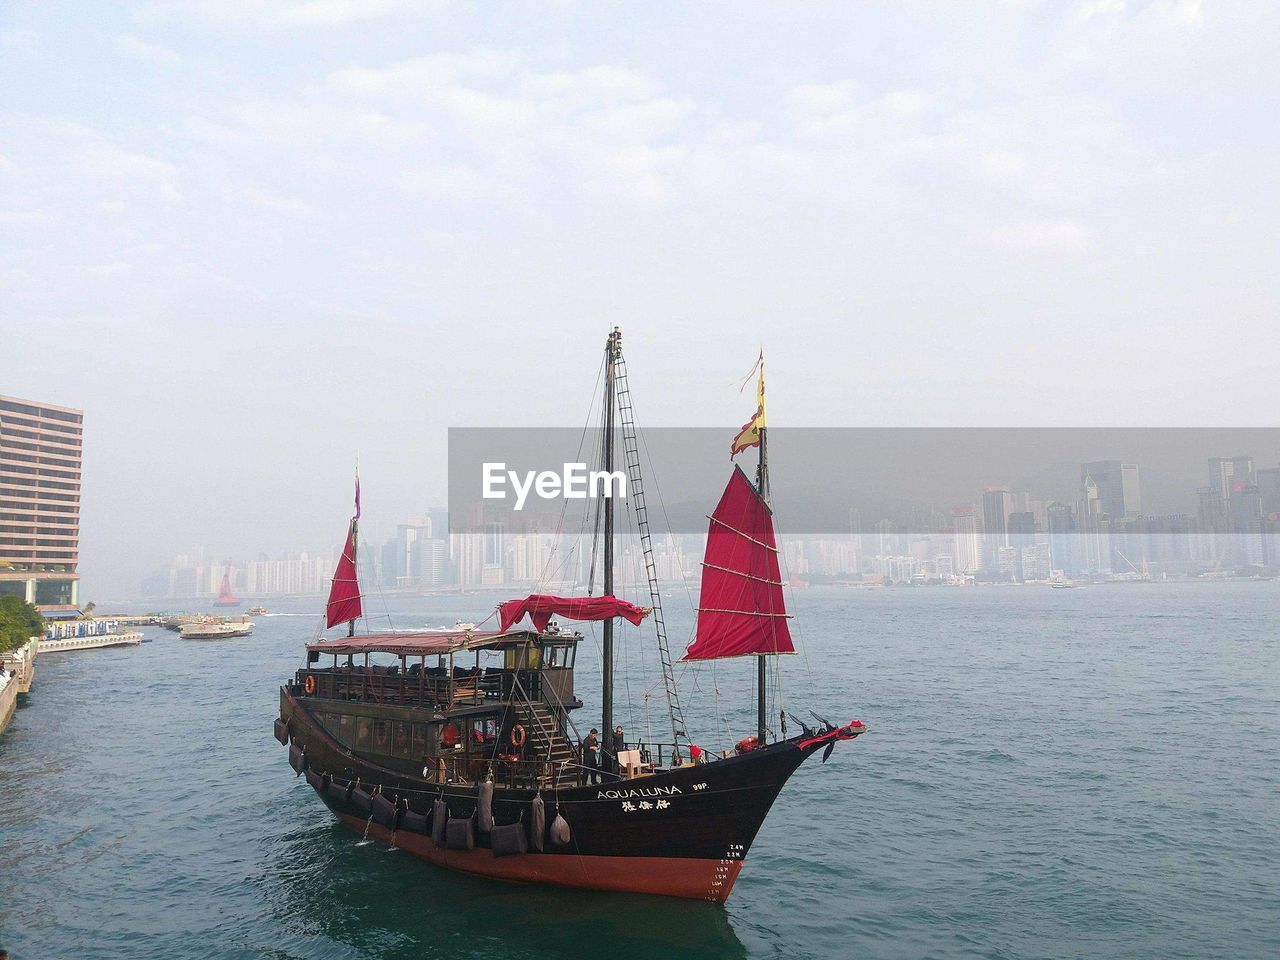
(444,671)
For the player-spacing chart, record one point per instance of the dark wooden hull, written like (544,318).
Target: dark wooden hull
(682,833)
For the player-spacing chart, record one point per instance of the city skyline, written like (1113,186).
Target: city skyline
(1004,535)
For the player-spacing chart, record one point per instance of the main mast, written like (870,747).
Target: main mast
(612,346)
(762,671)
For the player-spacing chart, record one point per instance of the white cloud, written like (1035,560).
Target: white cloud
(272,15)
(140,49)
(24,41)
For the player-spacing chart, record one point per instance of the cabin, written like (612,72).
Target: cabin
(453,707)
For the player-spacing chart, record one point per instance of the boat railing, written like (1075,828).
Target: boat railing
(399,689)
(663,756)
(505,772)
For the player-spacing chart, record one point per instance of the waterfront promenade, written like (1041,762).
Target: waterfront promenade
(19,668)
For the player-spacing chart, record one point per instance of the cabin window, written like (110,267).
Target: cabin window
(382,736)
(364,733)
(524,657)
(401,742)
(450,736)
(330,722)
(558,656)
(483,732)
(347,730)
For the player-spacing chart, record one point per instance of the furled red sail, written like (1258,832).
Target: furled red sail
(741,611)
(542,607)
(344,595)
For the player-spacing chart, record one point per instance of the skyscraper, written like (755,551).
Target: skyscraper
(1063,538)
(968,540)
(1022,534)
(1095,528)
(40,503)
(1229,474)
(995,530)
(1269,490)
(1117,485)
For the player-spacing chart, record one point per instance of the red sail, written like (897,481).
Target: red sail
(225,595)
(541,608)
(741,612)
(344,595)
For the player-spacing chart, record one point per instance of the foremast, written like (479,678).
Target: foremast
(344,594)
(762,488)
(741,609)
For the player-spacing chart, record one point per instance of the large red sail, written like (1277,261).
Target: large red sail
(344,595)
(741,611)
(542,607)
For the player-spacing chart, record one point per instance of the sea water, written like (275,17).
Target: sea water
(1048,773)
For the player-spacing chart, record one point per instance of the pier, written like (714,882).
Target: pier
(91,642)
(20,673)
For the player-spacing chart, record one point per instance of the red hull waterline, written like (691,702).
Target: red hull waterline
(692,879)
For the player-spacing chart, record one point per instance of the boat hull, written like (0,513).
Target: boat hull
(686,877)
(682,833)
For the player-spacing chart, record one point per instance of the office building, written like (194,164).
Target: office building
(996,502)
(1117,486)
(40,446)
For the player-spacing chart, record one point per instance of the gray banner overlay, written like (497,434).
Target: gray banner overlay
(837,481)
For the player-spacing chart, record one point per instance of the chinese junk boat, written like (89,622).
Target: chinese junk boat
(226,597)
(456,746)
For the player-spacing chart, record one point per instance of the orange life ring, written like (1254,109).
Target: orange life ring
(311,683)
(517,736)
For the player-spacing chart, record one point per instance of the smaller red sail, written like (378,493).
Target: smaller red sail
(741,611)
(344,595)
(542,607)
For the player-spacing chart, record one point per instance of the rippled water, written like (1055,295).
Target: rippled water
(1050,773)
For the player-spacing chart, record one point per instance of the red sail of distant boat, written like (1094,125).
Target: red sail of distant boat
(741,611)
(542,607)
(226,598)
(344,595)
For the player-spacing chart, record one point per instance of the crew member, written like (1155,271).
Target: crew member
(591,757)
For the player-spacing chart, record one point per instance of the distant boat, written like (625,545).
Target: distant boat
(223,629)
(225,597)
(256,612)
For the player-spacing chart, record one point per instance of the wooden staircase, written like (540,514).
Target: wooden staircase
(546,741)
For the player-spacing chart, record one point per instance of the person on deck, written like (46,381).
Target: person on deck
(617,743)
(591,757)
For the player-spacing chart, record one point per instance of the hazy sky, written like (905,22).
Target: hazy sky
(251,239)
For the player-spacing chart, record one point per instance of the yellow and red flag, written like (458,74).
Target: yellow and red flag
(749,435)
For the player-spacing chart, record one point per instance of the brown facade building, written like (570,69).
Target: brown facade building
(40,447)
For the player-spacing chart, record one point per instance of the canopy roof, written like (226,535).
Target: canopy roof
(426,644)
